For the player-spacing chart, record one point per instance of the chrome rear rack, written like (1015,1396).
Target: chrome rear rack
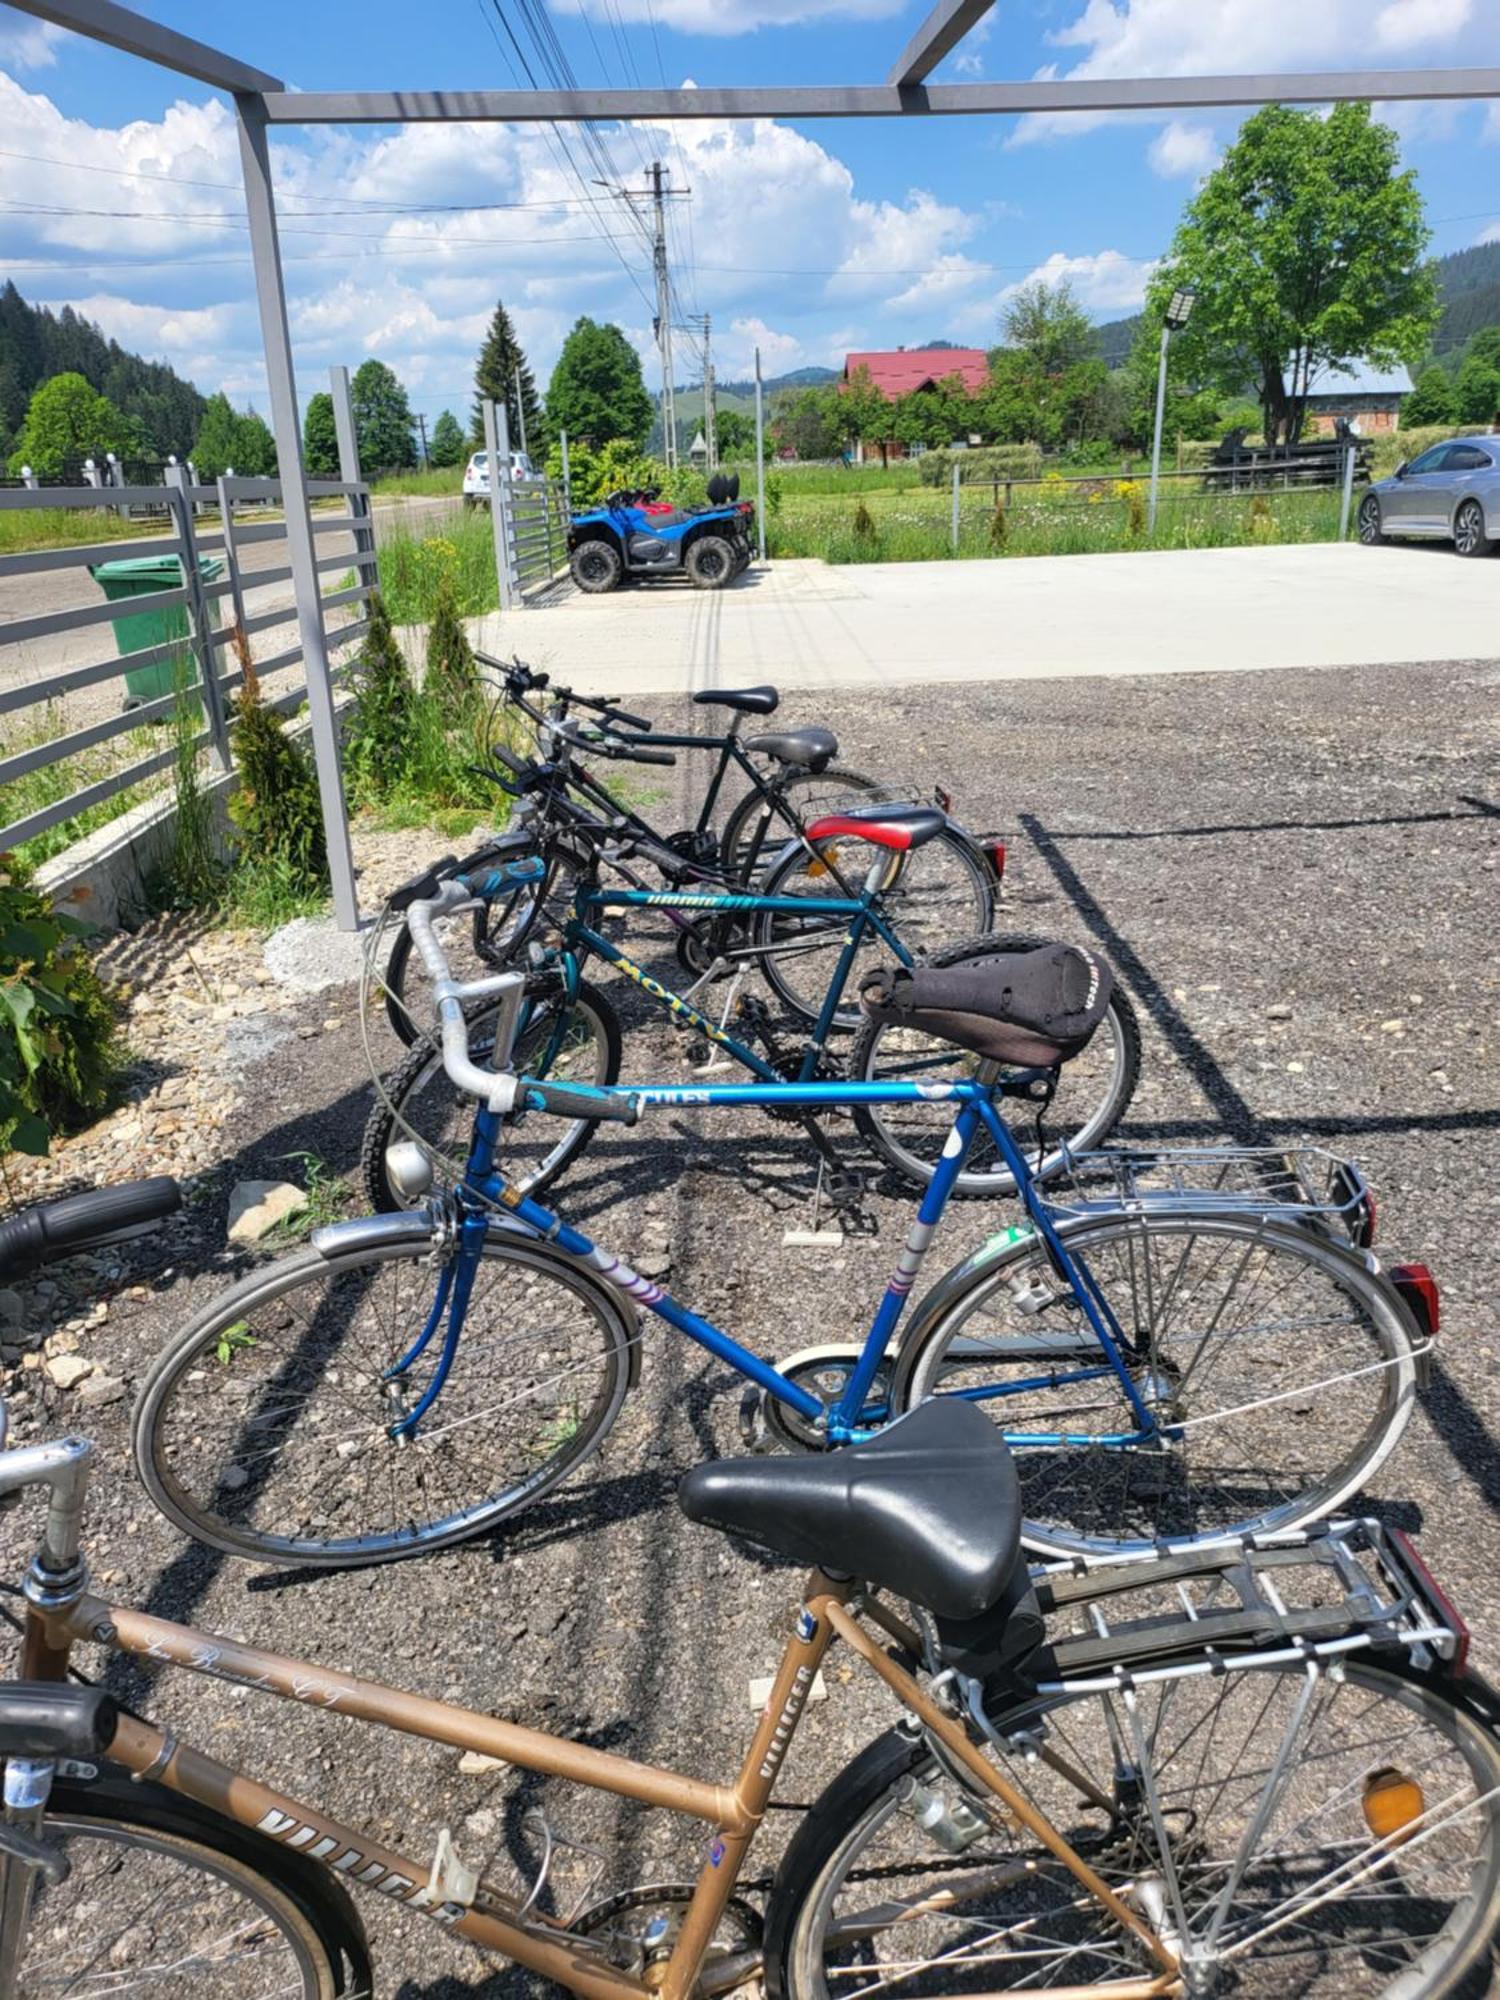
(1245,1601)
(1295,1183)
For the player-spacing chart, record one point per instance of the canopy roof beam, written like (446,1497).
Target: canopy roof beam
(103,21)
(942,31)
(884,100)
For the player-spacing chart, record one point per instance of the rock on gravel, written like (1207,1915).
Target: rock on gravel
(310,954)
(255,1208)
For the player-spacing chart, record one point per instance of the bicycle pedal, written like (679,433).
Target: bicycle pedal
(754,1431)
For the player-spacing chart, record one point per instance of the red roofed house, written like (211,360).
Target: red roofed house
(898,374)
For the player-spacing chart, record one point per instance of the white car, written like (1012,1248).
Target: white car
(477,475)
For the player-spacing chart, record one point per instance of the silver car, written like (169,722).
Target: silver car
(1451,493)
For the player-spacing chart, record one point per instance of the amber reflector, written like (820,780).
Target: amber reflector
(829,862)
(1393,1805)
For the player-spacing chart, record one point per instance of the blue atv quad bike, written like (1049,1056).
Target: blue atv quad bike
(639,535)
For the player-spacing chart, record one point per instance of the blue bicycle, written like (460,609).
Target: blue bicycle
(1177,1346)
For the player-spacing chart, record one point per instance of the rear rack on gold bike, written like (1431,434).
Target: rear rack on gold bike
(1292,1184)
(1311,1595)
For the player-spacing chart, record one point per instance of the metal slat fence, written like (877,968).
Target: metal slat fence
(219,621)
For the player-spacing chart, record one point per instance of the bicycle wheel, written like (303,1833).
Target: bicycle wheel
(1269,1879)
(570,1042)
(753,824)
(1285,1369)
(933,897)
(1093,1090)
(165,1898)
(263,1429)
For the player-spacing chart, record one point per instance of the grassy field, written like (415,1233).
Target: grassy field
(24,528)
(433,483)
(916,526)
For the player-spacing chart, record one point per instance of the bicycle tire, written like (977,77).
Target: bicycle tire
(418,1094)
(311,1473)
(820,792)
(1078,1499)
(776,942)
(909,1137)
(190,1848)
(862,1829)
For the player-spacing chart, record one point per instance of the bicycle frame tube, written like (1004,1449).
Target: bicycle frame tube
(495,1920)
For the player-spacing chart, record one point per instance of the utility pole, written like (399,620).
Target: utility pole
(664,319)
(422,433)
(659,194)
(521,413)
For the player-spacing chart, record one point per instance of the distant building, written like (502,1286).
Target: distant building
(898,373)
(698,451)
(1370,398)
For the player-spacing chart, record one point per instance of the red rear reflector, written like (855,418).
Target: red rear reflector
(1441,1601)
(994,847)
(1418,1287)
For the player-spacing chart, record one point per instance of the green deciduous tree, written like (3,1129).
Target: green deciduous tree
(320,438)
(1047,324)
(597,391)
(447,447)
(65,421)
(736,434)
(804,421)
(501,375)
(216,448)
(1305,247)
(254,447)
(383,422)
(1431,401)
(860,410)
(1476,393)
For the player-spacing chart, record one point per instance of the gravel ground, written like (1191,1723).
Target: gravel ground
(1320,844)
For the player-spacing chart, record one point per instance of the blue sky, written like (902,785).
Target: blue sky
(118,181)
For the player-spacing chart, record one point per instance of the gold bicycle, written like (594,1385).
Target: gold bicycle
(1256,1768)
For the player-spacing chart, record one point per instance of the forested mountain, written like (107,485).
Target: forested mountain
(36,343)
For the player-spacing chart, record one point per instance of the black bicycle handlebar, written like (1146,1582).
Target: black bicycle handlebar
(563,1100)
(56,1229)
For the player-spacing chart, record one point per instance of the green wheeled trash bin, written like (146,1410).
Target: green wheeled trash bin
(140,576)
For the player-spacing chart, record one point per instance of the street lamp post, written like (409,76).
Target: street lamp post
(1179,312)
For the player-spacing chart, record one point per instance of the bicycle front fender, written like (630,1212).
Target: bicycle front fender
(414,1229)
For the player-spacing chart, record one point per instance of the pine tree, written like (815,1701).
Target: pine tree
(501,375)
(275,805)
(452,678)
(378,733)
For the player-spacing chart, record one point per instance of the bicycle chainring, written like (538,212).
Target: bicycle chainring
(638,1927)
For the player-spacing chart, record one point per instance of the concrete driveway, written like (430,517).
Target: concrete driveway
(806,624)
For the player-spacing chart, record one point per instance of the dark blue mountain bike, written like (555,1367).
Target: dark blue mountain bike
(1177,1346)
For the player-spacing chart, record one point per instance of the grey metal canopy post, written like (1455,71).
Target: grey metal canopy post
(270,294)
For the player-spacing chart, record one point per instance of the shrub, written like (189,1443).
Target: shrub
(452,677)
(59,1051)
(275,806)
(378,729)
(864,523)
(999,526)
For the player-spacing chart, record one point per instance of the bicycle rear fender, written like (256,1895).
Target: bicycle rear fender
(413,1229)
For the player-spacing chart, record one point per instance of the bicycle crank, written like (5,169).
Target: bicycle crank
(639,1927)
(824,1372)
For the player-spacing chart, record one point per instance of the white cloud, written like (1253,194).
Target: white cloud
(1106,281)
(1233,37)
(28,44)
(732,17)
(1407,24)
(164,263)
(1183,151)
